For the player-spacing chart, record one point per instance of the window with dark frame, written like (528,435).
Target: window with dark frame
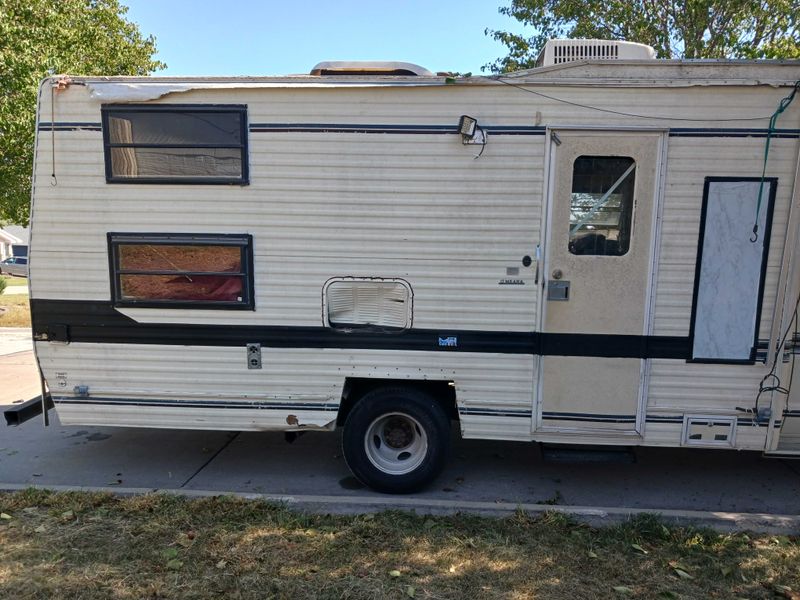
(601,205)
(175,143)
(181,270)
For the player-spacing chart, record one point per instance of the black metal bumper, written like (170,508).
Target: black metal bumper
(19,413)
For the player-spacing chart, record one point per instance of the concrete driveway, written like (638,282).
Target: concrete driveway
(480,475)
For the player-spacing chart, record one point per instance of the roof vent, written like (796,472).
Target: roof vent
(369,67)
(556,52)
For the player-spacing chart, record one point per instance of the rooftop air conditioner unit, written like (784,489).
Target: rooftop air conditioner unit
(556,52)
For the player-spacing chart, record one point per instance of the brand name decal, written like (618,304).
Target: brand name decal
(448,342)
(511,282)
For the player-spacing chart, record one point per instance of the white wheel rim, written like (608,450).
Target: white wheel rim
(396,443)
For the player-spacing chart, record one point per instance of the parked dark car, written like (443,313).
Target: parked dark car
(16,265)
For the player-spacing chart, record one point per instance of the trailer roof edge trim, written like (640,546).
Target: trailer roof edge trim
(622,73)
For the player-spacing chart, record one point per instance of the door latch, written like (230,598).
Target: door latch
(558,290)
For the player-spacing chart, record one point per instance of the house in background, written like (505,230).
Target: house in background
(13,241)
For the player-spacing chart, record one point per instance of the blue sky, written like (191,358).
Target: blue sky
(247,37)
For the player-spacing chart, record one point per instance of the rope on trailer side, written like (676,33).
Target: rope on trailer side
(782,106)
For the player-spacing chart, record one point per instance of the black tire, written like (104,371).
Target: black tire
(393,420)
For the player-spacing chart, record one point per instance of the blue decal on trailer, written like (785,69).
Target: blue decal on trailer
(448,342)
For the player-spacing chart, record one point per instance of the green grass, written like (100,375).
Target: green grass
(93,546)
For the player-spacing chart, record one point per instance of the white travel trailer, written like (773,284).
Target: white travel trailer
(561,255)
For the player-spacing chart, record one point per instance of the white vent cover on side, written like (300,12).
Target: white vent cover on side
(354,302)
(556,52)
(709,431)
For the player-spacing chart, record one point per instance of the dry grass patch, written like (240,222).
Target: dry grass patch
(93,546)
(17,311)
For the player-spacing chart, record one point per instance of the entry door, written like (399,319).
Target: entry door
(597,266)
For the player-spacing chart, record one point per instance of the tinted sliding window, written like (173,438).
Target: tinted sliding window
(601,205)
(175,144)
(182,270)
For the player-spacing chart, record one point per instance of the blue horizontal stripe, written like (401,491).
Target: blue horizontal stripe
(439,129)
(731,132)
(494,412)
(334,407)
(388,128)
(324,406)
(571,416)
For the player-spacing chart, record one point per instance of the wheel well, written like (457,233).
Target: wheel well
(356,387)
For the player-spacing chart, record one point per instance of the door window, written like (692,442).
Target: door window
(601,205)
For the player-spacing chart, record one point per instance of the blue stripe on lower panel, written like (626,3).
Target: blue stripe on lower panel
(330,407)
(745,422)
(661,419)
(742,421)
(597,418)
(200,403)
(491,412)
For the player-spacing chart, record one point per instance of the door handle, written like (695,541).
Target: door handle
(558,290)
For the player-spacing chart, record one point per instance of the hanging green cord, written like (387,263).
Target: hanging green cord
(784,104)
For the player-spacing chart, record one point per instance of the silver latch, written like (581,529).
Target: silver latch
(558,290)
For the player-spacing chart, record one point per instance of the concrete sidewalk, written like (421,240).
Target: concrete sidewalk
(16,289)
(15,339)
(20,378)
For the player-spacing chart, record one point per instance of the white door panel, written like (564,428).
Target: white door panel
(597,267)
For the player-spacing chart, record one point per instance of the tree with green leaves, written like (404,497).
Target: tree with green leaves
(44,37)
(675,28)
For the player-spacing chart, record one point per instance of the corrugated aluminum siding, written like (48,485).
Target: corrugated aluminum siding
(416,206)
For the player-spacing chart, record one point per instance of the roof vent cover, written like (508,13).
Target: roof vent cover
(370,67)
(556,52)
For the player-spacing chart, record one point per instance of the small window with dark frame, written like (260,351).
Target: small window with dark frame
(175,143)
(182,270)
(601,205)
